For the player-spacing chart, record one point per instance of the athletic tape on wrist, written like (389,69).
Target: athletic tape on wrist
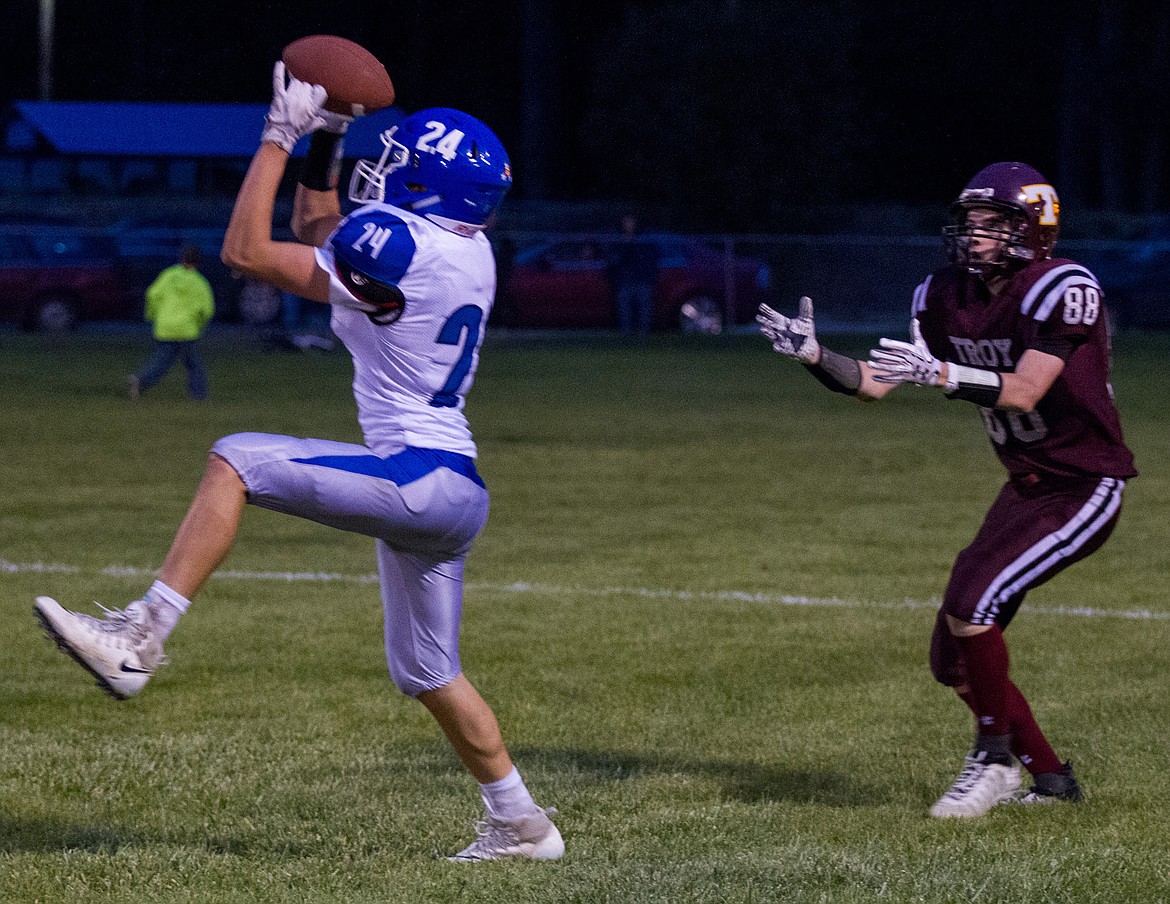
(971,384)
(837,372)
(323,161)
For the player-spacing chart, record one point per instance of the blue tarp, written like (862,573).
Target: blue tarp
(117,129)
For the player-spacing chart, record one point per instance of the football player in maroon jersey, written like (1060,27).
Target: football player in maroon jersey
(1023,336)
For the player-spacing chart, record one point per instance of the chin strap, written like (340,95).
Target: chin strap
(456,226)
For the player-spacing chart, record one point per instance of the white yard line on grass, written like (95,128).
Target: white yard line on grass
(719,596)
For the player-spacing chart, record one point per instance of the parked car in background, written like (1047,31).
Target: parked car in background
(564,283)
(148,244)
(51,277)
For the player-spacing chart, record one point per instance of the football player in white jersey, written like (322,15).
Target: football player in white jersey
(410,277)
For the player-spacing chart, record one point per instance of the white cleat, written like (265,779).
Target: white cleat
(532,837)
(121,650)
(980,786)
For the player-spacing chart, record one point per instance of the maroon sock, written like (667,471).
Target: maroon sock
(1028,741)
(986,656)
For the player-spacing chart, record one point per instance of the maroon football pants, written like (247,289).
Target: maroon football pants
(1032,532)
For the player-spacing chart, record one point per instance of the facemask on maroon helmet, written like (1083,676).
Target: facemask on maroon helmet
(1008,215)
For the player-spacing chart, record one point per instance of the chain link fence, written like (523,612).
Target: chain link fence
(857,283)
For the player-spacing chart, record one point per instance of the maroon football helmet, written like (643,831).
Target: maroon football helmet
(1019,222)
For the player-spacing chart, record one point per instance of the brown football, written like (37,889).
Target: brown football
(354,79)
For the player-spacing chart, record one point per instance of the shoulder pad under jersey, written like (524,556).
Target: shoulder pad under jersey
(1050,288)
(376,243)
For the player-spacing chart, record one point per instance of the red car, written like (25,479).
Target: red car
(565,284)
(50,279)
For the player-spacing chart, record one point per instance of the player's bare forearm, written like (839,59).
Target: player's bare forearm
(896,362)
(250,226)
(1029,383)
(315,215)
(871,390)
(248,246)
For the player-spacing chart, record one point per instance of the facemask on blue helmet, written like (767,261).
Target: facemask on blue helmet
(441,164)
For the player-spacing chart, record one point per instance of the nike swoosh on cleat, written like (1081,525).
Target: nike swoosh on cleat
(134,671)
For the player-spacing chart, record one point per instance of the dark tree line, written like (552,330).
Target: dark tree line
(718,111)
(1114,122)
(734,108)
(721,110)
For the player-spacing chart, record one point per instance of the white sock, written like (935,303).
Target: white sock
(166,606)
(508,798)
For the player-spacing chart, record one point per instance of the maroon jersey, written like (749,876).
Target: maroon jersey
(1053,306)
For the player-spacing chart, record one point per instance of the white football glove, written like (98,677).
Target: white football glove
(905,362)
(796,336)
(298,109)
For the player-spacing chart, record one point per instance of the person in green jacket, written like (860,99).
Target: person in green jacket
(179,303)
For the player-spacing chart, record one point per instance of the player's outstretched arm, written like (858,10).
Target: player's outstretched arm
(248,246)
(316,212)
(895,362)
(796,338)
(316,207)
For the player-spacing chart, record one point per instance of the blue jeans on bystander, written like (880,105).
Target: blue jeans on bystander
(165,355)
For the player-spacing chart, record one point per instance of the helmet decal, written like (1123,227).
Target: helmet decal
(447,142)
(1045,194)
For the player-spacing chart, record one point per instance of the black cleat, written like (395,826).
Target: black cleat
(1054,787)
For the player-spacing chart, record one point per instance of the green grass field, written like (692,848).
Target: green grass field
(700,608)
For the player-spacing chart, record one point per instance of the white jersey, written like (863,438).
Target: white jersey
(411,376)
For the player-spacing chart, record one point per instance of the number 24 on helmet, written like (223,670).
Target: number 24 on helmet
(439,163)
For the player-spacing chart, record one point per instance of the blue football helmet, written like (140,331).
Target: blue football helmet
(441,164)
